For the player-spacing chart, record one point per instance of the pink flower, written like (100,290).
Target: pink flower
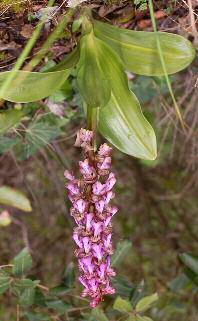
(80,205)
(104,150)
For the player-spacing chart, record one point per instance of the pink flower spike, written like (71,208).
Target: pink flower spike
(98,251)
(86,243)
(90,195)
(68,175)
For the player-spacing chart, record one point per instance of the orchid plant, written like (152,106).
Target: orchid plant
(102,55)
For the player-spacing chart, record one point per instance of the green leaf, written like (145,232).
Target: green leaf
(122,250)
(190,261)
(68,277)
(121,121)
(22,263)
(9,119)
(92,82)
(193,277)
(39,134)
(24,284)
(27,297)
(36,316)
(4,282)
(138,49)
(179,283)
(6,143)
(32,86)
(138,293)
(146,302)
(12,197)
(122,305)
(58,305)
(98,315)
(123,287)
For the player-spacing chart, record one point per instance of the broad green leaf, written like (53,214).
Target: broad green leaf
(32,86)
(9,119)
(146,302)
(122,305)
(138,49)
(122,250)
(93,84)
(121,121)
(98,315)
(4,282)
(27,297)
(12,197)
(22,263)
(190,261)
(36,317)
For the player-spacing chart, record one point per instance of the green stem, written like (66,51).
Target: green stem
(92,122)
(163,63)
(30,44)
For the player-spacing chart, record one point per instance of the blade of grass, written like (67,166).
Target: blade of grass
(164,65)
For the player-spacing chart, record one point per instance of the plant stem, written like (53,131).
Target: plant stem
(92,122)
(163,64)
